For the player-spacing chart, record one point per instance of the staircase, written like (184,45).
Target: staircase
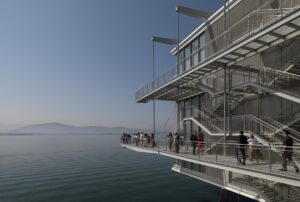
(233,101)
(270,193)
(294,67)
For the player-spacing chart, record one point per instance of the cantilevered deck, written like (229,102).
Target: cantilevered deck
(223,156)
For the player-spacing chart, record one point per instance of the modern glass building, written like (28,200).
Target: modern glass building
(239,70)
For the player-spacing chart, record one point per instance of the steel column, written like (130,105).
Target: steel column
(153,64)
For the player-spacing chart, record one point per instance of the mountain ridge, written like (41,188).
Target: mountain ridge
(60,128)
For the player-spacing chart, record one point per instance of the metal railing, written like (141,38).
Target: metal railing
(265,158)
(267,129)
(281,80)
(271,78)
(264,188)
(280,127)
(251,23)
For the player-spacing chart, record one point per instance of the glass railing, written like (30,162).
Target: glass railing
(264,159)
(249,24)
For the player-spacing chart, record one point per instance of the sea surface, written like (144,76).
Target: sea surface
(79,168)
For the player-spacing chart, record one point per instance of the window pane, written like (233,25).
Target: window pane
(181,62)
(195,52)
(202,44)
(187,54)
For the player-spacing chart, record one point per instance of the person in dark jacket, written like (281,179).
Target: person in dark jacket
(287,151)
(177,143)
(194,142)
(242,148)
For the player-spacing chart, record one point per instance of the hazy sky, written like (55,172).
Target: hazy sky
(81,61)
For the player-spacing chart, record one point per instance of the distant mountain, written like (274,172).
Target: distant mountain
(58,128)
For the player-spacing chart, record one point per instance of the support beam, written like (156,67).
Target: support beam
(248,49)
(163,40)
(218,64)
(262,42)
(279,36)
(292,25)
(199,14)
(236,54)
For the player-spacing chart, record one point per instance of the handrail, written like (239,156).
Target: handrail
(281,72)
(282,125)
(232,143)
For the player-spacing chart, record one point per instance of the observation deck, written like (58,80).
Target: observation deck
(248,180)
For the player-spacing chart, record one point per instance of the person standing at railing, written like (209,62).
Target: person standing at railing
(200,142)
(138,136)
(174,142)
(141,138)
(170,141)
(177,139)
(287,151)
(193,139)
(252,150)
(242,148)
(152,140)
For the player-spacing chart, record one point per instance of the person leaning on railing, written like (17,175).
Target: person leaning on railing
(193,139)
(251,142)
(287,151)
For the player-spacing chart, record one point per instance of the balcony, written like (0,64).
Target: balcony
(263,28)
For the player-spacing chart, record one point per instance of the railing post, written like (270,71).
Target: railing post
(280,7)
(269,155)
(248,24)
(249,74)
(237,154)
(216,152)
(158,146)
(248,124)
(288,84)
(244,123)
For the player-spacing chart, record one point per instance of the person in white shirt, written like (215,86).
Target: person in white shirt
(251,142)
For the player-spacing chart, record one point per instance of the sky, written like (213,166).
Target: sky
(79,62)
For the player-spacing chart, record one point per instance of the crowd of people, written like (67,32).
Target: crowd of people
(139,139)
(175,141)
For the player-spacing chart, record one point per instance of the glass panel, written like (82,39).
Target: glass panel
(187,54)
(188,110)
(202,43)
(181,61)
(195,55)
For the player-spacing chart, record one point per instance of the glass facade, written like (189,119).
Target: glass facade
(192,55)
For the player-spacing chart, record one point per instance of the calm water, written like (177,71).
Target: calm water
(91,168)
